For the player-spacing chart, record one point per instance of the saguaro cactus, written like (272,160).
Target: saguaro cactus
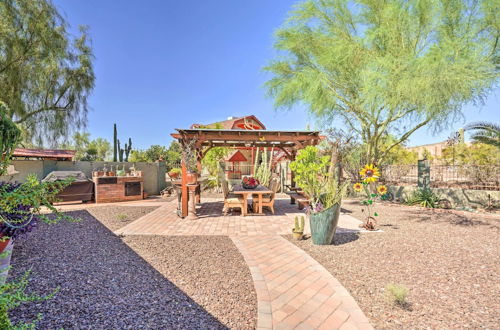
(115,144)
(128,149)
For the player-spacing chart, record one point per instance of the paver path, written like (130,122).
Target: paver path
(293,290)
(164,221)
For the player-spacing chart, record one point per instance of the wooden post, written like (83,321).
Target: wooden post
(184,187)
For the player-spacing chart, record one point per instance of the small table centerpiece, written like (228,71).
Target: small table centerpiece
(249,182)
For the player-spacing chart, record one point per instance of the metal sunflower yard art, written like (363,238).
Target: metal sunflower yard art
(370,174)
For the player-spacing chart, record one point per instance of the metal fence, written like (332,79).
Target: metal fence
(479,177)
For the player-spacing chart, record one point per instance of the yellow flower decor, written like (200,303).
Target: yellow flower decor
(382,190)
(369,173)
(358,187)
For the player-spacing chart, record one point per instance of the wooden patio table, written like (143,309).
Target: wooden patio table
(259,190)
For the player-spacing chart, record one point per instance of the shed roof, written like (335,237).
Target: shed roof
(56,154)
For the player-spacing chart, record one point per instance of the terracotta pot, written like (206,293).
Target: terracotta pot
(173,175)
(3,244)
(191,177)
(110,173)
(297,236)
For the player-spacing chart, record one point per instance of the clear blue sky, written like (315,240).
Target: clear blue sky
(164,64)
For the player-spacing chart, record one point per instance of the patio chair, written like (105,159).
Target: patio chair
(232,200)
(268,200)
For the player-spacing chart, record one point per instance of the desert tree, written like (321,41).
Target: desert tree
(386,67)
(46,75)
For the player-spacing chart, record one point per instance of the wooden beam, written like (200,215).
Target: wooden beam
(184,187)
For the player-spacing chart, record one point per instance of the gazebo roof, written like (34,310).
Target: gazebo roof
(248,138)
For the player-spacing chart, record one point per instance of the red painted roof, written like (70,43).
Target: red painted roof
(235,123)
(44,153)
(237,157)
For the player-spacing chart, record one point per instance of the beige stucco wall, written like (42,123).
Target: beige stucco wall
(154,173)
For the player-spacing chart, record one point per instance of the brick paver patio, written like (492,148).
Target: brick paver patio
(293,290)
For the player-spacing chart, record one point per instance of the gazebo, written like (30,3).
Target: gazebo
(200,140)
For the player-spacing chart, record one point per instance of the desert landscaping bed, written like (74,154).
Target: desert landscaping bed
(449,263)
(112,282)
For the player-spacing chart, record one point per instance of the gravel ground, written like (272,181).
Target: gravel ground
(117,217)
(450,264)
(209,269)
(104,284)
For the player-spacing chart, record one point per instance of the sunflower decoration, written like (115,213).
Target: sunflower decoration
(382,190)
(369,173)
(358,187)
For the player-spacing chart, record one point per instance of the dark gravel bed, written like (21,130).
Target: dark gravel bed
(209,269)
(116,217)
(450,264)
(103,283)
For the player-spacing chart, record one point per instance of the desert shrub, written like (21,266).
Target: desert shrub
(424,197)
(122,217)
(397,294)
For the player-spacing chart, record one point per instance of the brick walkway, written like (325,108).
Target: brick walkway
(164,221)
(293,290)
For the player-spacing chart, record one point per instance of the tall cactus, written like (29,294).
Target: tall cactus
(262,171)
(120,151)
(128,148)
(115,144)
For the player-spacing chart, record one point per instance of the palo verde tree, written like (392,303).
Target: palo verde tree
(46,76)
(386,67)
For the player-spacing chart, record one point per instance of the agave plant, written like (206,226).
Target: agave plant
(483,132)
(423,197)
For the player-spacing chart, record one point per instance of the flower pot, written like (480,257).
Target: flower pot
(191,177)
(324,224)
(5,261)
(297,236)
(3,244)
(173,175)
(110,173)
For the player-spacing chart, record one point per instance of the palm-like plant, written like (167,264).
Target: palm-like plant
(483,132)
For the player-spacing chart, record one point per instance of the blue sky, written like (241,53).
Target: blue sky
(164,64)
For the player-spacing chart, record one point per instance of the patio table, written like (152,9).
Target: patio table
(259,190)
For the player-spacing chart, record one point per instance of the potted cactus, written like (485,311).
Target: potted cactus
(174,173)
(298,229)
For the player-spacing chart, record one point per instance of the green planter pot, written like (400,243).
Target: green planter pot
(324,225)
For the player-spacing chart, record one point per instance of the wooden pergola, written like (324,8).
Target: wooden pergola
(201,140)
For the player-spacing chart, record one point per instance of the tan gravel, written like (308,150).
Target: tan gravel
(450,264)
(105,284)
(117,217)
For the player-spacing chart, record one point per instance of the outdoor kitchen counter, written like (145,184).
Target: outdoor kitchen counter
(118,188)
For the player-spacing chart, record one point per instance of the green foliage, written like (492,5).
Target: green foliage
(474,154)
(299,225)
(386,67)
(12,295)
(86,149)
(9,137)
(211,162)
(121,217)
(46,76)
(115,143)
(35,194)
(487,133)
(172,155)
(397,294)
(423,197)
(313,176)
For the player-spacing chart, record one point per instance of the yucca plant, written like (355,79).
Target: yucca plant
(423,197)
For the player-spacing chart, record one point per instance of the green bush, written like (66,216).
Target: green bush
(423,197)
(397,294)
